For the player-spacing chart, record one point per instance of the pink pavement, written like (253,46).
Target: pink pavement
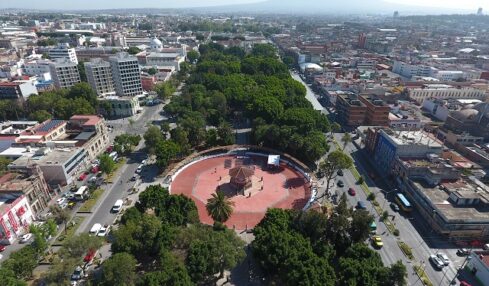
(285,188)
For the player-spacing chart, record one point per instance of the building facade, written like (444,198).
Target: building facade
(443,91)
(18,90)
(99,76)
(64,73)
(15,217)
(350,110)
(94,137)
(63,51)
(126,74)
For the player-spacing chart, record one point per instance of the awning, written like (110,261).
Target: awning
(273,160)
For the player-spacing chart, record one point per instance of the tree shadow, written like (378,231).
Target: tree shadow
(294,183)
(229,190)
(298,204)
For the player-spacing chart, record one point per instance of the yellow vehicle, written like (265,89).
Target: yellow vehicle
(377,241)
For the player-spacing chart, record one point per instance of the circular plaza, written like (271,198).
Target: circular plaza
(253,181)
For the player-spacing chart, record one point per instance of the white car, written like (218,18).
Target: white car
(25,238)
(437,262)
(144,162)
(103,231)
(139,169)
(443,257)
(61,201)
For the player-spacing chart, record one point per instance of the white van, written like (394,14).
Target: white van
(95,229)
(486,246)
(82,193)
(117,206)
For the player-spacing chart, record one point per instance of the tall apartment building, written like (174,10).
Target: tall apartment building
(63,51)
(64,73)
(126,74)
(99,75)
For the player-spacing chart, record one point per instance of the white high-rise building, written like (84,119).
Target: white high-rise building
(63,51)
(64,73)
(126,74)
(99,75)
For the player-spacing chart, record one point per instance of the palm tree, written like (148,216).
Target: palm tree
(219,207)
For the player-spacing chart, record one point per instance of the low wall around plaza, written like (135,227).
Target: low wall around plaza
(246,150)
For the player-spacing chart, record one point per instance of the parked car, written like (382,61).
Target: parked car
(77,274)
(361,205)
(465,283)
(144,162)
(340,172)
(443,257)
(2,247)
(139,169)
(90,256)
(351,192)
(61,200)
(463,252)
(341,184)
(104,231)
(134,177)
(25,238)
(117,206)
(83,176)
(377,241)
(436,262)
(394,207)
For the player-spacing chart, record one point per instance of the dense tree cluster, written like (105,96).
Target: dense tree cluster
(310,248)
(230,86)
(162,233)
(59,104)
(125,143)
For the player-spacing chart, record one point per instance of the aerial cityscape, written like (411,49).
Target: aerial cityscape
(250,142)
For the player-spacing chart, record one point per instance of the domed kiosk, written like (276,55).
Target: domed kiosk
(156,45)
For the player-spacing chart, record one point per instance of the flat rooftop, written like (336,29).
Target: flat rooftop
(439,196)
(414,137)
(53,157)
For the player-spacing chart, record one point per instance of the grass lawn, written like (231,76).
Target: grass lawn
(110,177)
(422,274)
(71,228)
(88,204)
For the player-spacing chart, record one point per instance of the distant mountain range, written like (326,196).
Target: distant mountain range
(332,7)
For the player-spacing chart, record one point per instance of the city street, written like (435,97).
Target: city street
(391,252)
(123,184)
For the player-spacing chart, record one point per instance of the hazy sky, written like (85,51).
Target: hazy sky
(104,4)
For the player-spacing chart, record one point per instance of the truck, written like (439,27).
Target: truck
(82,193)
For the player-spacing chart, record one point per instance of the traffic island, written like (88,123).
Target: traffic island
(406,249)
(422,275)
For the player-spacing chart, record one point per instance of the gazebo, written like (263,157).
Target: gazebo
(241,177)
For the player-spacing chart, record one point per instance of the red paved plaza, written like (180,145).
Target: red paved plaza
(282,187)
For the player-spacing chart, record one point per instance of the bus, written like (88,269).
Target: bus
(403,203)
(82,193)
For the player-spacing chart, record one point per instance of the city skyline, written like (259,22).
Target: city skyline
(370,6)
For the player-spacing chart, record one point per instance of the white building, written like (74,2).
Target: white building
(59,166)
(99,75)
(126,74)
(164,60)
(37,68)
(63,51)
(444,91)
(15,217)
(64,73)
(409,70)
(449,75)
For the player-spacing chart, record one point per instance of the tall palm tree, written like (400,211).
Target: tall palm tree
(219,207)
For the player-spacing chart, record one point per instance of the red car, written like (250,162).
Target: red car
(83,176)
(2,248)
(463,283)
(94,169)
(351,192)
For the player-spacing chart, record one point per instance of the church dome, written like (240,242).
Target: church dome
(156,44)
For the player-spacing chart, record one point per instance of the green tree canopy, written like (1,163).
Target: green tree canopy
(107,164)
(119,269)
(219,207)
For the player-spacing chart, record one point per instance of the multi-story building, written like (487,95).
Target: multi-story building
(59,166)
(19,90)
(87,54)
(92,133)
(99,75)
(126,74)
(350,110)
(49,130)
(409,144)
(478,264)
(31,184)
(37,68)
(408,70)
(63,51)
(377,112)
(444,91)
(15,217)
(65,73)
